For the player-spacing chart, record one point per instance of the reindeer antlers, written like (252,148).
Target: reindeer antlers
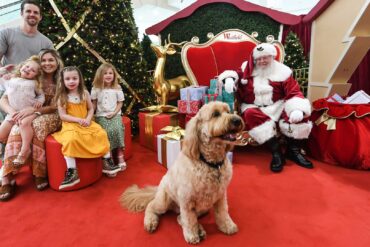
(171,43)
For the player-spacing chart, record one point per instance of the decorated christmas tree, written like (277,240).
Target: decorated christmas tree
(294,58)
(87,33)
(148,53)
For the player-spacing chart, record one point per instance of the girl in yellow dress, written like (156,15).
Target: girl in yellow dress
(80,136)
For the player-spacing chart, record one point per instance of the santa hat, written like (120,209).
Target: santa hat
(264,49)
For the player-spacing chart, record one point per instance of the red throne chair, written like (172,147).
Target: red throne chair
(89,170)
(224,51)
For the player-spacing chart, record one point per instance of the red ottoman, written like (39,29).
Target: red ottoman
(128,140)
(89,170)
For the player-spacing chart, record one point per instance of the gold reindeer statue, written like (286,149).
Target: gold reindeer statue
(167,89)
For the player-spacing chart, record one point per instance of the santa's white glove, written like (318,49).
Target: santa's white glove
(296,116)
(229,85)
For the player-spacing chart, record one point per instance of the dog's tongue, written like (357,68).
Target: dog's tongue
(230,137)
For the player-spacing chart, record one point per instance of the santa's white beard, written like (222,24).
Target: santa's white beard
(262,88)
(263,72)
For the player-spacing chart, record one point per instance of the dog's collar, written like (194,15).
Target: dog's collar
(211,164)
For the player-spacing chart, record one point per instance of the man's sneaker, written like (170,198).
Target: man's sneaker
(109,167)
(71,178)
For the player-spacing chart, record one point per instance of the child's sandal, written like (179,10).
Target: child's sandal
(21,159)
(41,183)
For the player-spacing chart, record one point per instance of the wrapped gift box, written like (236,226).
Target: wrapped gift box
(227,97)
(151,123)
(214,84)
(193,92)
(231,105)
(189,106)
(217,87)
(168,150)
(209,98)
(213,92)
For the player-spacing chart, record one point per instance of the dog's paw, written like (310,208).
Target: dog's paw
(151,222)
(191,238)
(201,232)
(228,228)
(196,235)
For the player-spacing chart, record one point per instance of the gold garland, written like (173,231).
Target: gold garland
(128,110)
(73,33)
(70,31)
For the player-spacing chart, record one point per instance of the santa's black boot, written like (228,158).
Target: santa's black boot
(278,161)
(293,153)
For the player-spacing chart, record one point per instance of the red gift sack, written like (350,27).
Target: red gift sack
(341,134)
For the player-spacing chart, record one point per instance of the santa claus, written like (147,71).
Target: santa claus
(270,100)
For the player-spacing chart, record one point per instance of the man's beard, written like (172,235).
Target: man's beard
(264,72)
(32,22)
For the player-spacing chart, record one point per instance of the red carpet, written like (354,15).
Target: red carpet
(328,206)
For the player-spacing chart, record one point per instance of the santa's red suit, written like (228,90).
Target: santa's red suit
(268,101)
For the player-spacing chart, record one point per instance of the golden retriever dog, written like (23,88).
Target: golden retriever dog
(198,179)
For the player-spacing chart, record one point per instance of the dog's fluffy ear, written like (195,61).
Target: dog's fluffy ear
(191,140)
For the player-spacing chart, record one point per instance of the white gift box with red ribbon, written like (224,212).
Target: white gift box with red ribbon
(167,150)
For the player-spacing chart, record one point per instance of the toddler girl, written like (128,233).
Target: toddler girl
(23,91)
(80,137)
(107,97)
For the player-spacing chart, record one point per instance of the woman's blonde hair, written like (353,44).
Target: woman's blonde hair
(39,74)
(98,79)
(61,95)
(59,60)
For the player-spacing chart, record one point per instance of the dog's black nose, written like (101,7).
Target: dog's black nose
(236,121)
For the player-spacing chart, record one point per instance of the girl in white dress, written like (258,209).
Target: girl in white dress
(107,97)
(23,91)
